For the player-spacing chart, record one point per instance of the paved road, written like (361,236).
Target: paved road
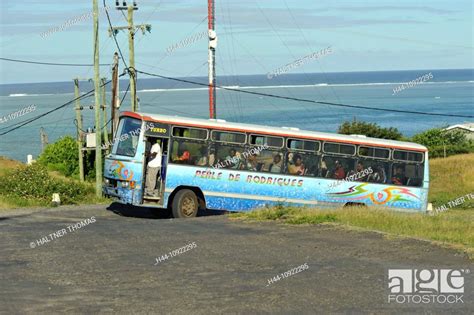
(109,266)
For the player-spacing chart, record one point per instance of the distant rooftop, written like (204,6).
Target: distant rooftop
(465,126)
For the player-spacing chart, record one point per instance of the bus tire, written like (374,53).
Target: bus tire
(185,204)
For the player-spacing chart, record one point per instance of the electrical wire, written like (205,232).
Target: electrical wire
(307,100)
(52,63)
(113,34)
(28,121)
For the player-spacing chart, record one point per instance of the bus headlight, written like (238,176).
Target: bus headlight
(125,184)
(107,181)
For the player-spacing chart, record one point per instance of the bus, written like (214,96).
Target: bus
(218,165)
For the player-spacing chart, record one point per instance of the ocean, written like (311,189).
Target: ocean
(449,91)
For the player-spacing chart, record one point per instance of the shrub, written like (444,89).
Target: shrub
(61,156)
(34,182)
(439,137)
(438,140)
(369,130)
(438,151)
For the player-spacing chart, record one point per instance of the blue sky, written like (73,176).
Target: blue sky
(254,36)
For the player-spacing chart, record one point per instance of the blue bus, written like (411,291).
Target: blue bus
(218,165)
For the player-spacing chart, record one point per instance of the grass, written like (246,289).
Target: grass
(451,178)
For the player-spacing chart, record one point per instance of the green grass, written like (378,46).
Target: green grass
(451,178)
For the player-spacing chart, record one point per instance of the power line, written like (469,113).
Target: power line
(113,34)
(26,122)
(307,100)
(52,63)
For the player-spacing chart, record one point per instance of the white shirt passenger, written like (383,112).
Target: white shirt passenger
(156,162)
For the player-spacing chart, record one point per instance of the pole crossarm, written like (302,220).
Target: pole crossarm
(143,27)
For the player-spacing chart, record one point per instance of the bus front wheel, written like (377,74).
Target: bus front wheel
(185,204)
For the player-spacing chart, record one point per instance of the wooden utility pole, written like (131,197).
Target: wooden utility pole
(79,129)
(131,49)
(44,139)
(98,138)
(104,112)
(212,59)
(115,100)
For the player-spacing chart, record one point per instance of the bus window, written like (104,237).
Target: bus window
(228,156)
(407,156)
(228,137)
(275,142)
(126,141)
(188,152)
(303,145)
(378,153)
(372,171)
(339,148)
(338,167)
(191,133)
(266,160)
(407,174)
(301,163)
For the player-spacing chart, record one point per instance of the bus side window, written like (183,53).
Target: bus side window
(269,161)
(414,173)
(338,167)
(372,171)
(302,163)
(228,156)
(188,152)
(398,174)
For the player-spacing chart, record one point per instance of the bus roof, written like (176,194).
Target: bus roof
(277,131)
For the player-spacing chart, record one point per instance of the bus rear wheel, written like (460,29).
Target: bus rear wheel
(185,204)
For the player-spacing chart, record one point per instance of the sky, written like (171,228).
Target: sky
(254,36)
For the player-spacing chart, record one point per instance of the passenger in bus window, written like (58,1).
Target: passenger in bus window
(398,176)
(323,169)
(203,159)
(183,154)
(233,159)
(361,175)
(297,168)
(275,167)
(378,176)
(252,164)
(339,172)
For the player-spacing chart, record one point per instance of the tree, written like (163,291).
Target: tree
(369,130)
(438,137)
(442,142)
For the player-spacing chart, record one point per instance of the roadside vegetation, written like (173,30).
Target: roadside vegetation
(30,186)
(440,142)
(451,178)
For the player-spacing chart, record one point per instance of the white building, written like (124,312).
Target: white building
(467,128)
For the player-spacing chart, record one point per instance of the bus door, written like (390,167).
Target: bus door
(156,148)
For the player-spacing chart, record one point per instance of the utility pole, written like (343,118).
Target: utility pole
(212,59)
(98,138)
(44,139)
(131,48)
(115,102)
(79,129)
(104,112)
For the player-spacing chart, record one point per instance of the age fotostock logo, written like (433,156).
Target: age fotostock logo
(426,285)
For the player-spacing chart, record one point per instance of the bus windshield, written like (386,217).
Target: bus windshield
(126,141)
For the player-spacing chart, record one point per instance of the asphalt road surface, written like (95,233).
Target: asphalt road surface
(109,265)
